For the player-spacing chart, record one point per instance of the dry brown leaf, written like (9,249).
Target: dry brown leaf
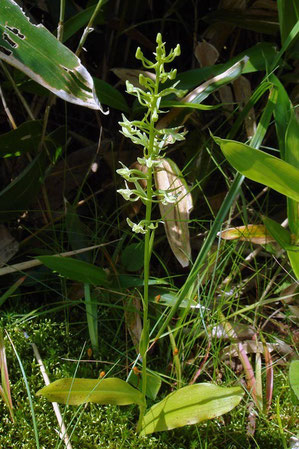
(175,216)
(242,91)
(206,54)
(226,96)
(132,75)
(8,245)
(133,321)
(250,233)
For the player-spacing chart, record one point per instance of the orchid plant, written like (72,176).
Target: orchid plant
(193,403)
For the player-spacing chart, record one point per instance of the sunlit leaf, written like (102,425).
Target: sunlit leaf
(76,270)
(100,391)
(262,167)
(190,405)
(294,377)
(153,383)
(36,52)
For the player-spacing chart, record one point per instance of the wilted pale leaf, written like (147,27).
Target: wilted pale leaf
(200,93)
(242,91)
(8,245)
(36,52)
(176,215)
(206,54)
(133,320)
(250,233)
(190,405)
(132,75)
(101,391)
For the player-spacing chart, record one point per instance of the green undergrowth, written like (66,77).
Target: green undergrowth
(111,427)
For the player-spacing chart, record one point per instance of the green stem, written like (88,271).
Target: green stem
(147,246)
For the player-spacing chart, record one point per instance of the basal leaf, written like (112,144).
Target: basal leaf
(190,405)
(36,52)
(100,391)
(294,377)
(262,167)
(76,270)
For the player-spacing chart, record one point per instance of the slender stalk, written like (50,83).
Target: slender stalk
(61,21)
(147,246)
(88,29)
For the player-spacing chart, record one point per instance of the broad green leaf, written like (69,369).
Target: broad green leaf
(36,52)
(132,256)
(250,233)
(280,234)
(24,139)
(110,96)
(20,193)
(153,383)
(100,391)
(76,270)
(190,405)
(294,377)
(262,167)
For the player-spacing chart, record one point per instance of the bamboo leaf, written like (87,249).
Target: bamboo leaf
(190,405)
(262,167)
(100,391)
(36,52)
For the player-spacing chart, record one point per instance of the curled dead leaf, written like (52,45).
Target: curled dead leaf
(250,233)
(175,216)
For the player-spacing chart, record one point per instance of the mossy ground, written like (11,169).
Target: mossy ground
(110,427)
